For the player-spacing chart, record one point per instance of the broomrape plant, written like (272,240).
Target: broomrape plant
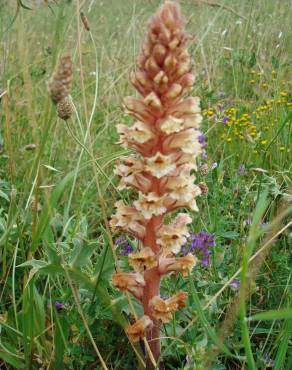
(165,138)
(167,142)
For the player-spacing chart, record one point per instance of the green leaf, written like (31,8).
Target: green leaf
(200,312)
(281,353)
(81,254)
(61,334)
(4,196)
(10,359)
(105,263)
(48,210)
(273,315)
(228,234)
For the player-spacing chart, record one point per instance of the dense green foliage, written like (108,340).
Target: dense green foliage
(53,242)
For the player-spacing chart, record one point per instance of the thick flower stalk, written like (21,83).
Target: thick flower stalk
(165,137)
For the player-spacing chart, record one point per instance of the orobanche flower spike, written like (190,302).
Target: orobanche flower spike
(165,137)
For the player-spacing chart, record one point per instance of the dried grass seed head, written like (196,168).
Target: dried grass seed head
(65,108)
(59,85)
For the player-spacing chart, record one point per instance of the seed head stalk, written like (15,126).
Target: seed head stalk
(165,137)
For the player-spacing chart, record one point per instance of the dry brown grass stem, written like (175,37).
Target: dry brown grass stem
(5,98)
(80,59)
(214,4)
(80,311)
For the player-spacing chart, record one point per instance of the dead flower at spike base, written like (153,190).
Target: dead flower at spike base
(163,309)
(138,329)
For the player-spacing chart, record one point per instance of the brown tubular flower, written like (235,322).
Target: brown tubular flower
(143,260)
(59,85)
(181,265)
(174,235)
(163,309)
(165,137)
(132,282)
(137,330)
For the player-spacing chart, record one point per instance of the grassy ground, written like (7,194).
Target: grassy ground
(54,246)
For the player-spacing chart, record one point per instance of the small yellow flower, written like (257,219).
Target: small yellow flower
(283,93)
(282,148)
(252,81)
(229,140)
(264,142)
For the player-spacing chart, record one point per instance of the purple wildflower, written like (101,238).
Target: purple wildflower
(125,246)
(247,222)
(59,305)
(200,244)
(120,240)
(234,285)
(241,169)
(202,139)
(225,119)
(204,155)
(268,361)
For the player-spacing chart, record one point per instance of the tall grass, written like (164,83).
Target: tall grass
(60,251)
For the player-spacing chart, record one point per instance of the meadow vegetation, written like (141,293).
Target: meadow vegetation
(58,307)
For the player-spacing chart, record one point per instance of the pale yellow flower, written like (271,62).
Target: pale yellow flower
(193,122)
(138,109)
(152,101)
(143,260)
(186,141)
(185,108)
(171,237)
(150,205)
(128,219)
(182,188)
(138,133)
(160,165)
(131,175)
(131,165)
(171,125)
